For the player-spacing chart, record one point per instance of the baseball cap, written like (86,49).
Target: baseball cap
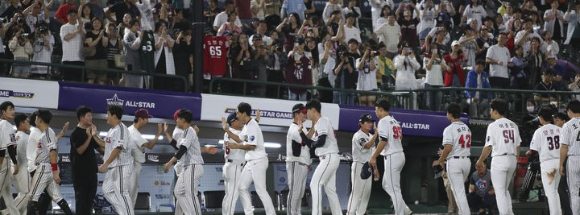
(175,114)
(142,113)
(455,42)
(366,171)
(366,118)
(231,118)
(299,107)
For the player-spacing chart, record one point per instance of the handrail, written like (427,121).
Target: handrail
(106,70)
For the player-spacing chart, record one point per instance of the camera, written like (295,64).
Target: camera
(24,35)
(20,20)
(3,20)
(42,30)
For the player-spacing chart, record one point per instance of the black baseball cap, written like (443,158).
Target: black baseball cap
(366,118)
(231,118)
(366,171)
(299,108)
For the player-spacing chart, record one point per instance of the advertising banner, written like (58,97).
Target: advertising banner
(160,104)
(29,93)
(413,122)
(273,112)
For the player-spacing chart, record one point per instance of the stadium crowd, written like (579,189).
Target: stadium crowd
(399,45)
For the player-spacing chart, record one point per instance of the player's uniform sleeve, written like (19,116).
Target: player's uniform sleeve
(138,139)
(322,127)
(535,144)
(8,137)
(188,137)
(489,140)
(447,137)
(252,138)
(359,141)
(117,139)
(52,141)
(565,137)
(383,131)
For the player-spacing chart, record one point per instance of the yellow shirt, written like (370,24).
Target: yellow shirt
(386,66)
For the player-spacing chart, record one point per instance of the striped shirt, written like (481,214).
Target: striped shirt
(46,143)
(118,137)
(191,142)
(570,136)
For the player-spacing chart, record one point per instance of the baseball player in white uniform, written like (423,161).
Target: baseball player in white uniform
(297,160)
(118,162)
(7,144)
(22,179)
(546,143)
(503,142)
(189,158)
(46,175)
(455,156)
(256,160)
(570,148)
(137,145)
(324,140)
(390,136)
(234,163)
(363,146)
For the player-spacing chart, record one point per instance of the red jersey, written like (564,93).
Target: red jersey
(214,55)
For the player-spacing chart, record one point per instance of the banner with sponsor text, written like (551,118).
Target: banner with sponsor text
(29,93)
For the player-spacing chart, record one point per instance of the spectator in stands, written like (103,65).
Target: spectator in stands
(85,15)
(535,62)
(481,195)
(345,71)
(22,49)
(528,8)
(409,26)
(211,12)
(554,22)
(478,101)
(261,59)
(382,19)
(490,8)
(298,71)
(390,34)
(406,65)
(434,66)
(230,26)
(352,9)
(96,9)
(310,9)
(517,64)
(293,6)
(385,68)
(8,13)
(289,27)
(132,43)
(484,41)
(71,35)
(261,30)
(428,13)
(113,47)
(350,30)
(575,86)
(439,39)
(61,14)
(258,9)
(278,60)
(475,11)
(182,52)
(455,76)
(179,21)
(366,66)
(328,55)
(244,11)
(572,17)
(569,70)
(470,47)
(378,8)
(120,9)
(164,63)
(545,85)
(549,47)
(43,46)
(94,38)
(312,47)
(498,57)
(335,22)
(560,78)
(524,37)
(37,13)
(331,6)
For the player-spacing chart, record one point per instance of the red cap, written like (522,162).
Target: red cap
(175,114)
(142,113)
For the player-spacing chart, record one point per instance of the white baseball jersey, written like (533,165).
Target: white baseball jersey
(45,144)
(7,134)
(252,135)
(458,136)
(546,141)
(294,135)
(21,141)
(236,155)
(191,142)
(136,144)
(391,131)
(359,153)
(570,136)
(504,136)
(324,127)
(31,147)
(118,137)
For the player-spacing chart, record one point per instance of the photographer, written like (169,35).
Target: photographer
(406,65)
(367,76)
(275,73)
(21,49)
(345,72)
(43,44)
(299,70)
(11,28)
(37,13)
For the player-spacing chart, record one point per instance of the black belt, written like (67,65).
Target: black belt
(506,154)
(458,157)
(232,161)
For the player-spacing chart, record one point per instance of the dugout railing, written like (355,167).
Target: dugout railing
(54,73)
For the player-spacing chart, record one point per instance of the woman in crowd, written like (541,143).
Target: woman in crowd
(434,65)
(406,65)
(43,46)
(163,57)
(94,39)
(230,25)
(289,27)
(384,14)
(455,76)
(366,66)
(536,61)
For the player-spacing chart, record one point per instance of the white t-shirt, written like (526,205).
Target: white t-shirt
(390,131)
(476,13)
(458,136)
(42,54)
(527,44)
(118,137)
(499,54)
(293,135)
(252,135)
(367,78)
(136,144)
(570,132)
(434,75)
(351,33)
(32,20)
(71,48)
(359,153)
(504,136)
(222,18)
(236,155)
(546,141)
(390,36)
(324,127)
